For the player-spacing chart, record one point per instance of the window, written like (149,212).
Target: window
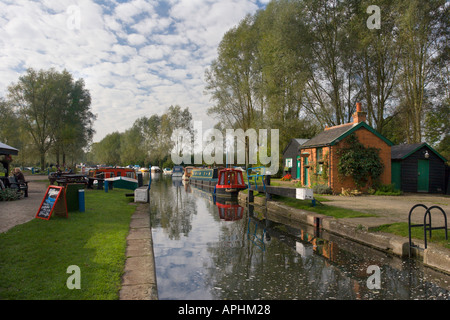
(289,162)
(319,155)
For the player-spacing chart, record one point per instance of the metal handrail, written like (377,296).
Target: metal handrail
(256,176)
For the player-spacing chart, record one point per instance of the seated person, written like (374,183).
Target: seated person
(20,178)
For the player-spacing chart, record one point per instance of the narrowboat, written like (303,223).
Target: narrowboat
(187,173)
(177,171)
(230,182)
(205,179)
(123,182)
(109,172)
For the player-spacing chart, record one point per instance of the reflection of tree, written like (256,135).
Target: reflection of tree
(171,208)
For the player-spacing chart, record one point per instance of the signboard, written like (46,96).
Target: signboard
(54,200)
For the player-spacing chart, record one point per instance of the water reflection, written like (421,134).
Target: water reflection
(205,252)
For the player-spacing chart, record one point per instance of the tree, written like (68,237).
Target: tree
(54,110)
(423,30)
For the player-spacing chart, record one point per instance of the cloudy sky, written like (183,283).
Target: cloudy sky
(137,57)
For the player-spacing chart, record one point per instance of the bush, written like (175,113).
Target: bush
(321,189)
(387,190)
(9,195)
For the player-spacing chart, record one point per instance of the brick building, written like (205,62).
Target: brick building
(320,159)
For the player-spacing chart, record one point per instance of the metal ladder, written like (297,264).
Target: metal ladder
(426,226)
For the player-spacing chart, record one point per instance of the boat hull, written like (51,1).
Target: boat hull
(124,183)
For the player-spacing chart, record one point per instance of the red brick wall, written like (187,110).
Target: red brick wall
(336,182)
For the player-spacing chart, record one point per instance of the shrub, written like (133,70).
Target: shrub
(321,189)
(9,195)
(387,190)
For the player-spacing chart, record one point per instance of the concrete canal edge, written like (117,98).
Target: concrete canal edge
(434,256)
(139,278)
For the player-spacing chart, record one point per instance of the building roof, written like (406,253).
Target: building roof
(402,151)
(333,135)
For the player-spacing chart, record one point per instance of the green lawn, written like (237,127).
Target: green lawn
(34,257)
(401,229)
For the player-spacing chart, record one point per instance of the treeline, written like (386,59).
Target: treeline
(147,142)
(301,65)
(47,114)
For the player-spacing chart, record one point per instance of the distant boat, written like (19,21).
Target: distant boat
(187,173)
(144,169)
(123,183)
(167,171)
(177,171)
(230,182)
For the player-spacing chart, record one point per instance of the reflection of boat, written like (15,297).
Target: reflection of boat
(124,183)
(230,182)
(187,173)
(229,210)
(205,179)
(167,171)
(107,172)
(155,169)
(177,182)
(177,171)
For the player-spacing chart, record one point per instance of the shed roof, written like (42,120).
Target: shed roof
(333,135)
(403,151)
(298,141)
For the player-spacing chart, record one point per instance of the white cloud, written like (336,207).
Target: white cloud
(137,57)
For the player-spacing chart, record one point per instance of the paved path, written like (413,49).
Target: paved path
(17,212)
(392,209)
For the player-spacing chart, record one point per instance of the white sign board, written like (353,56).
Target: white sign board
(304,194)
(141,194)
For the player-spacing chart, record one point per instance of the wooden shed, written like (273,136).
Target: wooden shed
(291,158)
(417,168)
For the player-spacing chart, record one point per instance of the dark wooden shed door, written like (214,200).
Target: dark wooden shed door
(423,175)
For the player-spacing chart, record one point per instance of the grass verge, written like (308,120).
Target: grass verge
(34,257)
(401,229)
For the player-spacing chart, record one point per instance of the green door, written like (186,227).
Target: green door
(305,171)
(423,171)
(396,174)
(299,167)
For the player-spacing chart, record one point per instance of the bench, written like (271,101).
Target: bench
(20,186)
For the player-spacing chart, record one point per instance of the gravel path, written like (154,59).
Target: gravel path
(17,212)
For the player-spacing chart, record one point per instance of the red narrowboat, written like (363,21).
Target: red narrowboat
(230,182)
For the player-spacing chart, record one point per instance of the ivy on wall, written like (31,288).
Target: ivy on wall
(362,164)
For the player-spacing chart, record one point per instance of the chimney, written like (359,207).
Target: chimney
(359,115)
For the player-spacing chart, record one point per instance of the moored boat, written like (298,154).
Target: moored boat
(230,182)
(187,173)
(177,171)
(123,182)
(155,169)
(204,178)
(109,172)
(167,171)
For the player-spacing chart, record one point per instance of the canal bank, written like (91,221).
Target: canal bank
(356,229)
(139,279)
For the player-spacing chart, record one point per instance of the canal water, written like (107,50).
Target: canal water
(209,249)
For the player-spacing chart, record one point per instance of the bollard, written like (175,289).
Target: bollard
(106,185)
(81,200)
